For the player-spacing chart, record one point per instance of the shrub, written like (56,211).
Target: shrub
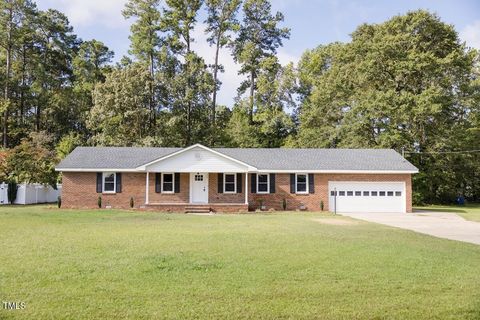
(132,203)
(59,201)
(12,192)
(284,204)
(321,205)
(99,202)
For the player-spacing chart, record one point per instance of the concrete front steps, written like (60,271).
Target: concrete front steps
(198,209)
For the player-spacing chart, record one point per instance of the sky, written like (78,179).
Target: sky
(312,22)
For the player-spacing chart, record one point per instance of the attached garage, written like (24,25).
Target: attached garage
(359,196)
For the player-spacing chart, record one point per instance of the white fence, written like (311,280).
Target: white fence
(31,193)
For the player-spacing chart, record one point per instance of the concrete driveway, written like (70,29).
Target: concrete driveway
(437,224)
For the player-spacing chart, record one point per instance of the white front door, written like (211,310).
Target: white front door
(199,187)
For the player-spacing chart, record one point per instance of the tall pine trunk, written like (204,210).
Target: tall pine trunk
(214,98)
(252,96)
(7,76)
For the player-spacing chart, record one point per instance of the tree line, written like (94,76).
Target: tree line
(409,84)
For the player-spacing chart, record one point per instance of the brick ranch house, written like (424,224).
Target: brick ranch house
(198,178)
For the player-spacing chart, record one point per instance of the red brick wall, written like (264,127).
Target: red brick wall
(312,201)
(79,191)
(215,197)
(182,197)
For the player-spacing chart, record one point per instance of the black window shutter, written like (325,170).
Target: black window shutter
(177,182)
(272,182)
(239,183)
(311,183)
(253,182)
(158,182)
(220,182)
(118,187)
(99,182)
(292,183)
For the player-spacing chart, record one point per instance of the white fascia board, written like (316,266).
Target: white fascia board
(144,167)
(341,171)
(95,170)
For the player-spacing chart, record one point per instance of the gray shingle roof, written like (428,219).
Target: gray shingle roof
(260,158)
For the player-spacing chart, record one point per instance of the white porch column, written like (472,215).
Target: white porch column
(246,187)
(146,188)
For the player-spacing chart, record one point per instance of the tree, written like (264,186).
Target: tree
(120,113)
(221,22)
(32,161)
(145,40)
(259,38)
(90,65)
(191,84)
(404,84)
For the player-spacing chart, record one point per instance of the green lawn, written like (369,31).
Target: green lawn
(120,264)
(468,211)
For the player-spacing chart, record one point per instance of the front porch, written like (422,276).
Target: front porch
(196,191)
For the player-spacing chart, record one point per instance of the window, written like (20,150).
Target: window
(109,179)
(199,177)
(332,193)
(341,193)
(382,193)
(374,193)
(358,193)
(398,193)
(349,193)
(230,183)
(263,183)
(167,183)
(301,183)
(366,193)
(390,193)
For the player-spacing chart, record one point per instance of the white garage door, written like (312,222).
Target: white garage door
(354,196)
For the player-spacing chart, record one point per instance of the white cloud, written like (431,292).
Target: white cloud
(471,34)
(84,13)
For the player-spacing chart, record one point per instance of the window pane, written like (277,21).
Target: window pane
(262,178)
(366,193)
(374,193)
(398,193)
(262,187)
(229,178)
(382,193)
(390,193)
(301,187)
(341,193)
(358,193)
(109,186)
(230,187)
(332,193)
(349,193)
(302,178)
(109,182)
(167,182)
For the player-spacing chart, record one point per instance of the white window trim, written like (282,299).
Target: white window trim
(306,182)
(268,183)
(114,182)
(173,182)
(234,182)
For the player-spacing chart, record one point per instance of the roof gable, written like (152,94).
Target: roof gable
(196,158)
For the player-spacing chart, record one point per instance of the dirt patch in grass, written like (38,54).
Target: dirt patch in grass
(337,221)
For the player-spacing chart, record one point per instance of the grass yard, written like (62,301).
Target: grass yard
(470,211)
(120,264)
